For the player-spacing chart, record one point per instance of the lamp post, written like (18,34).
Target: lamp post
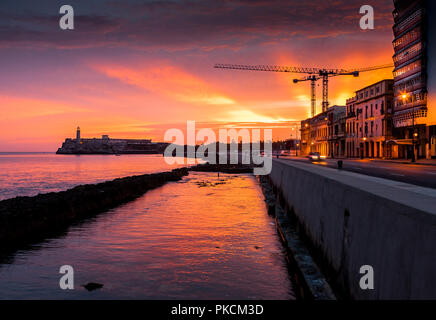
(404,96)
(413,134)
(364,148)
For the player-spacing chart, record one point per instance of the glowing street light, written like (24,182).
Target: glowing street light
(415,134)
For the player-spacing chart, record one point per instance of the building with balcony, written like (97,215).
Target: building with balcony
(351,130)
(336,116)
(305,143)
(414,117)
(324,133)
(369,121)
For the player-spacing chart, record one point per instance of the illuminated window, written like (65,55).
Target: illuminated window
(410,67)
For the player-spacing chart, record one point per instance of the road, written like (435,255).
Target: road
(421,175)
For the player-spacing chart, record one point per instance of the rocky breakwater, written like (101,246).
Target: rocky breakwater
(26,219)
(224,168)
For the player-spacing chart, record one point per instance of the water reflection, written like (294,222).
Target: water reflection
(205,237)
(30,174)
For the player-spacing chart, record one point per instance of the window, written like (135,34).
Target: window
(409,68)
(407,38)
(408,53)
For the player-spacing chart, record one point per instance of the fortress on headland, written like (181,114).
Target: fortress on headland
(106,145)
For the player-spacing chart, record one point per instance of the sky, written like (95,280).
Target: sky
(134,69)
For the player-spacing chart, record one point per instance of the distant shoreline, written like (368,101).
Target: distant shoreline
(26,152)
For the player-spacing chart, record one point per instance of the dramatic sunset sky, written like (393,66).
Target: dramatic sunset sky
(133,69)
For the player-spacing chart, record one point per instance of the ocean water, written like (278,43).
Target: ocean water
(204,237)
(27,174)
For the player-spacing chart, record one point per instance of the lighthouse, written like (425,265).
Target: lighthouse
(78,134)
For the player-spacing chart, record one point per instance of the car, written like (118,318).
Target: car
(314,156)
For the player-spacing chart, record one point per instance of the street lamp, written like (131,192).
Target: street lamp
(414,134)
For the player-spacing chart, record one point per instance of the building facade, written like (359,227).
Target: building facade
(351,130)
(305,143)
(369,121)
(336,116)
(324,133)
(414,116)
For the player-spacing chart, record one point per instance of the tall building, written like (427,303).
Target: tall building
(369,121)
(414,78)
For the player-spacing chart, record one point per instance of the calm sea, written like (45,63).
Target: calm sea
(204,237)
(27,174)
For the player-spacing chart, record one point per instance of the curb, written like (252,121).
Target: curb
(405,162)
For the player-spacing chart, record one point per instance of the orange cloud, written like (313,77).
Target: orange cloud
(21,108)
(168,81)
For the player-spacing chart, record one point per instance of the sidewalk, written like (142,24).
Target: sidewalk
(424,162)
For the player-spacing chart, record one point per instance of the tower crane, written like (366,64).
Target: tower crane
(313,79)
(314,74)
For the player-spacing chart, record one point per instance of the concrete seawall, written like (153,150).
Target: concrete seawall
(354,220)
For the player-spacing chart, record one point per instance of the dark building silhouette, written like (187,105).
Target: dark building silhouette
(414,116)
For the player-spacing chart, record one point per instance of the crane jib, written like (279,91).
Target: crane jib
(314,74)
(319,71)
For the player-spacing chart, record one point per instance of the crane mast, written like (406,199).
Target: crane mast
(313,79)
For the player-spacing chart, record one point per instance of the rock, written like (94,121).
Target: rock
(91,286)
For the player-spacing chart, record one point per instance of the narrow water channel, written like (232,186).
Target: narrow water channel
(204,237)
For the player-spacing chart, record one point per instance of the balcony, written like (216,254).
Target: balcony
(408,73)
(408,22)
(411,85)
(408,54)
(408,118)
(410,105)
(351,115)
